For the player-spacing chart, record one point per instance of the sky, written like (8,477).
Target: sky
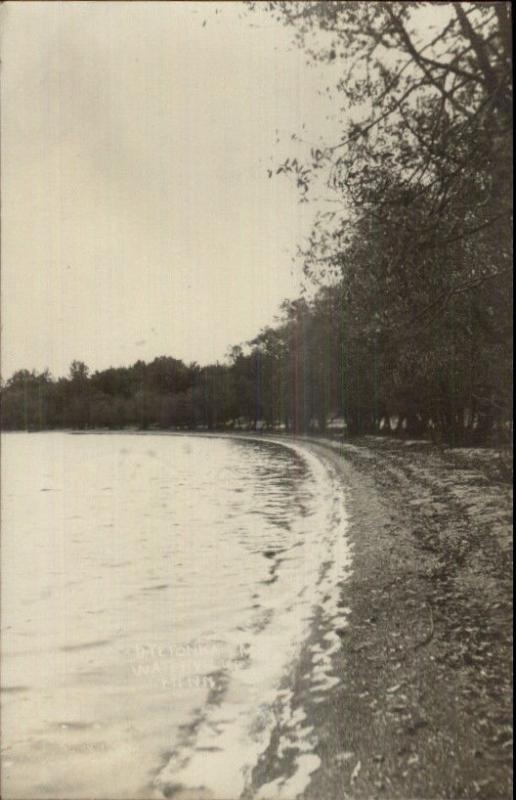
(138,218)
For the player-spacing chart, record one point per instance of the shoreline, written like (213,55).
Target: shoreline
(424,707)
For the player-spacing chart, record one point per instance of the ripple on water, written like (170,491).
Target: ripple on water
(210,611)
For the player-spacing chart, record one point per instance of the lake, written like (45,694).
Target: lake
(156,593)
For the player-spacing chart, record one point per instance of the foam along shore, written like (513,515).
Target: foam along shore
(423,706)
(224,745)
(417,701)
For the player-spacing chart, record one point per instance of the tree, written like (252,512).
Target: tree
(421,235)
(79,372)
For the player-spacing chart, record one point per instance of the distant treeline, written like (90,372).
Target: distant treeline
(324,361)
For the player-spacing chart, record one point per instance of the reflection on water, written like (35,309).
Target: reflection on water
(154,591)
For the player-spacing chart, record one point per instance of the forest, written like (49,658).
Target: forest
(407,325)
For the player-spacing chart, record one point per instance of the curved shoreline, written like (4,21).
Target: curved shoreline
(423,708)
(278,725)
(423,703)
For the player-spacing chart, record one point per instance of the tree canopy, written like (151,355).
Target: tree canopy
(419,232)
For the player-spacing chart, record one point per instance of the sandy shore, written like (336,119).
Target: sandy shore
(423,709)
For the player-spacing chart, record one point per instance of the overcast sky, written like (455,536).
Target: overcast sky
(137,215)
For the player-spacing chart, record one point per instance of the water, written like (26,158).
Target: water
(156,590)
